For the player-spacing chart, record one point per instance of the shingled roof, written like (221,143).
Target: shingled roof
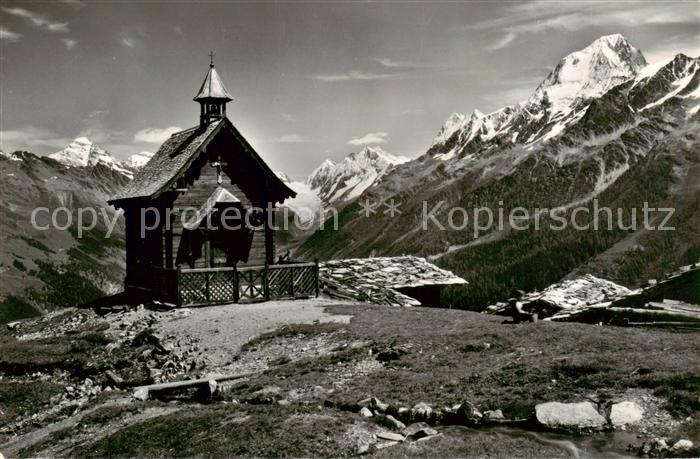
(377,279)
(175,156)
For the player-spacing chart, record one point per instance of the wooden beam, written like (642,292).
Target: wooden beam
(176,385)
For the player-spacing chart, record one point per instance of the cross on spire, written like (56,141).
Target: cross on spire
(211,58)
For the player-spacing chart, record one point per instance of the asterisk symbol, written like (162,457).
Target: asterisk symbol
(367,208)
(392,208)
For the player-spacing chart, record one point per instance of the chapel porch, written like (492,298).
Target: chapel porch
(235,284)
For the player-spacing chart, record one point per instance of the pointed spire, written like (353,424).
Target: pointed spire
(212,96)
(213,87)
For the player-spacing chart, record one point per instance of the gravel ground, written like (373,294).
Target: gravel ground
(220,331)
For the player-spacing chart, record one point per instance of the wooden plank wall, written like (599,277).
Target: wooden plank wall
(195,196)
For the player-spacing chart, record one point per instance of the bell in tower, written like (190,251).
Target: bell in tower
(212,97)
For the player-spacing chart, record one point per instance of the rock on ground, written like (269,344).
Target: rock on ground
(624,413)
(569,416)
(682,446)
(419,430)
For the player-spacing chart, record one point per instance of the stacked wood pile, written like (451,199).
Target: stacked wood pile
(376,280)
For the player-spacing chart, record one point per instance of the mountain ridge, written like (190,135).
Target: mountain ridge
(634,143)
(83,152)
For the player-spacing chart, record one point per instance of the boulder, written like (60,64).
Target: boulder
(391,436)
(655,447)
(385,444)
(493,415)
(395,423)
(378,405)
(141,394)
(569,416)
(114,378)
(682,446)
(421,412)
(265,396)
(624,413)
(419,430)
(365,412)
(464,413)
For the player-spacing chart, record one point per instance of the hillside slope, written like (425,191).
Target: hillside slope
(611,130)
(42,269)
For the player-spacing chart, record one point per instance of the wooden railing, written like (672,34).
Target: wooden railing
(203,286)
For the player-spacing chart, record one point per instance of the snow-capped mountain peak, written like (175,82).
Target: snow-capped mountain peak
(347,179)
(83,152)
(590,72)
(370,157)
(80,153)
(559,101)
(138,160)
(452,125)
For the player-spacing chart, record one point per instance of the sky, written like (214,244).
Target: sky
(310,80)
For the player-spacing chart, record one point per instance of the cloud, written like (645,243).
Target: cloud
(99,113)
(542,16)
(69,42)
(502,42)
(32,138)
(373,138)
(58,27)
(664,50)
(38,20)
(155,135)
(288,117)
(8,35)
(388,62)
(127,41)
(355,75)
(289,138)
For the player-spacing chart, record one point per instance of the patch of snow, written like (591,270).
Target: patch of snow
(349,178)
(82,152)
(590,72)
(11,156)
(452,125)
(679,86)
(138,160)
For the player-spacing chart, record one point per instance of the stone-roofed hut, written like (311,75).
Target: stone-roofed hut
(176,204)
(396,281)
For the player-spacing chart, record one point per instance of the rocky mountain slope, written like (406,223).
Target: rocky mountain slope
(82,152)
(333,185)
(57,266)
(344,181)
(602,126)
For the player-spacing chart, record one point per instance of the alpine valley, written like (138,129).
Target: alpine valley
(603,129)
(50,268)
(602,125)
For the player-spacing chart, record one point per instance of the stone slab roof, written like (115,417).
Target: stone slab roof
(377,279)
